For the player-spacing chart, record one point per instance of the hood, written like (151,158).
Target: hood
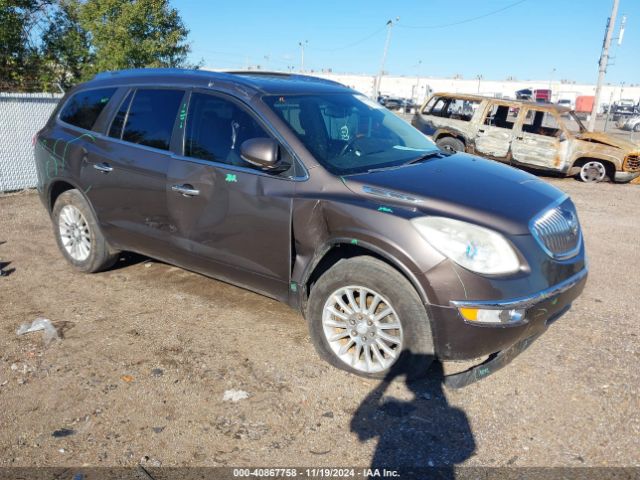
(462,186)
(609,140)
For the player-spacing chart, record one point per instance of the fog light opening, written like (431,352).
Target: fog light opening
(492,317)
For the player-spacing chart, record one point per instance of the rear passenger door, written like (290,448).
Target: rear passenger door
(232,220)
(495,131)
(127,175)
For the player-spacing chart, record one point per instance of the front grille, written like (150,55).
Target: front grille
(632,163)
(557,230)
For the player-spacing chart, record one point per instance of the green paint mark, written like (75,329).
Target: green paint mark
(294,287)
(183,114)
(104,100)
(231,178)
(483,372)
(87,190)
(354,241)
(384,209)
(555,300)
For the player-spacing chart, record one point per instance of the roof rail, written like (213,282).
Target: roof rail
(296,76)
(156,71)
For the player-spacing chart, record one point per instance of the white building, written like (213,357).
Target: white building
(417,88)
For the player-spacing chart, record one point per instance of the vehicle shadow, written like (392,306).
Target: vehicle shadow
(127,259)
(4,271)
(421,438)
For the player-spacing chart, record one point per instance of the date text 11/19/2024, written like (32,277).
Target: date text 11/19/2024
(320,472)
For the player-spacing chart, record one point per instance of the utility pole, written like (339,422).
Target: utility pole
(384,59)
(604,60)
(417,90)
(302,44)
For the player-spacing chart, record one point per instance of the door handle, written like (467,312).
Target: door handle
(186,190)
(481,130)
(520,138)
(103,167)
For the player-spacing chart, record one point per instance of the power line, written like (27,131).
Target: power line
(358,42)
(444,25)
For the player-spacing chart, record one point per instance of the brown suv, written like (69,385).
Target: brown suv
(539,136)
(310,193)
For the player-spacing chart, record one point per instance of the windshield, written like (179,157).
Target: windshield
(348,133)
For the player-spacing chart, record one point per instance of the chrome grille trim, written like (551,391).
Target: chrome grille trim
(557,230)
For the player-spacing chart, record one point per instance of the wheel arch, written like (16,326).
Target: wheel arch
(58,186)
(608,164)
(442,133)
(341,248)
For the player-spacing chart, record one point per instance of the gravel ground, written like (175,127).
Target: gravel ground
(149,350)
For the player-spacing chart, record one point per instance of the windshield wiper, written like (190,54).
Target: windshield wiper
(424,157)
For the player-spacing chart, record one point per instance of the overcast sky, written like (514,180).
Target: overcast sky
(525,39)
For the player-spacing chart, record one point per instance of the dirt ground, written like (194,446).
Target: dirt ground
(149,350)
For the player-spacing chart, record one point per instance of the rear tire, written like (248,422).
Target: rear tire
(397,343)
(78,236)
(636,128)
(450,144)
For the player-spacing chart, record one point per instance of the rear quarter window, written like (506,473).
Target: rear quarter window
(83,108)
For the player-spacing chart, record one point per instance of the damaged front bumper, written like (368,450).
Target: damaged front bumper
(625,177)
(459,339)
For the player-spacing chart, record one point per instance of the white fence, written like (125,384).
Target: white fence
(21,116)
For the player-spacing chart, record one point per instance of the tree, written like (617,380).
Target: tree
(19,60)
(44,43)
(133,34)
(65,47)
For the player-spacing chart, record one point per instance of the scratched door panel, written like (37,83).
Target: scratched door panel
(236,228)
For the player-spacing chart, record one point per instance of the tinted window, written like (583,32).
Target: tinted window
(118,121)
(151,117)
(83,108)
(216,128)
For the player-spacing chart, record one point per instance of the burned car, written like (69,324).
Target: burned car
(526,134)
(310,193)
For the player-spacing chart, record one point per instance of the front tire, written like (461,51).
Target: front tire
(78,236)
(593,171)
(450,144)
(366,318)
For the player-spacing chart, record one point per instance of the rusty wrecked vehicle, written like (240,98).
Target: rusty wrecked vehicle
(543,137)
(310,193)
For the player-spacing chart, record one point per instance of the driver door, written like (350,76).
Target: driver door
(494,135)
(539,143)
(231,220)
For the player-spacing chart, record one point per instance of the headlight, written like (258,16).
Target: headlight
(476,248)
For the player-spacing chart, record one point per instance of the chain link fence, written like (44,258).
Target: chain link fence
(21,116)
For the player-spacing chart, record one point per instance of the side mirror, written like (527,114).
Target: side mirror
(562,137)
(261,152)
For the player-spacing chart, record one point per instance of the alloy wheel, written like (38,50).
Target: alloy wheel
(362,328)
(74,233)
